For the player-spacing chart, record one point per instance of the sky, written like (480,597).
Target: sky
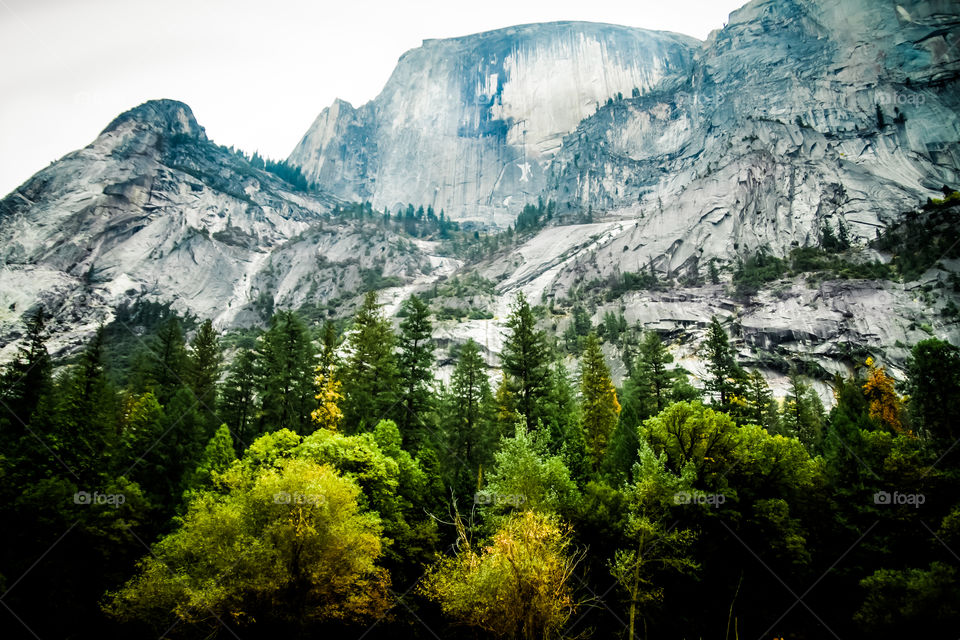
(255,73)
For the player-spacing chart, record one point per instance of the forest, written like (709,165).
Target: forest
(322,481)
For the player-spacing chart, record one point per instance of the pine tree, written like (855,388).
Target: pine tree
(802,413)
(25,381)
(526,361)
(470,429)
(599,400)
(653,361)
(725,375)
(415,364)
(217,456)
(167,360)
(286,375)
(86,413)
(203,368)
(238,404)
(561,408)
(328,348)
(933,377)
(370,378)
(761,407)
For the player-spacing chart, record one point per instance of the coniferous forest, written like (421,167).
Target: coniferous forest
(322,482)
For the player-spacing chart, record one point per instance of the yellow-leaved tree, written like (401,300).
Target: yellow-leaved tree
(519,586)
(327,415)
(885,404)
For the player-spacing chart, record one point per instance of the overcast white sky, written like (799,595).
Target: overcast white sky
(256,73)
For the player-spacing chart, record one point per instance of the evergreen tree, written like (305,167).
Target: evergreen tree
(238,402)
(562,410)
(167,360)
(85,416)
(802,413)
(526,361)
(933,383)
(415,364)
(470,429)
(203,368)
(761,407)
(25,381)
(328,348)
(217,456)
(600,406)
(725,375)
(286,365)
(370,378)
(653,361)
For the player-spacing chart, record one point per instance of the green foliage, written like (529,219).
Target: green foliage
(415,368)
(370,374)
(468,422)
(601,408)
(286,363)
(526,476)
(526,361)
(726,377)
(517,587)
(292,546)
(920,240)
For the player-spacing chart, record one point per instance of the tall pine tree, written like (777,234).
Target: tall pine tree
(415,364)
(203,371)
(601,409)
(286,363)
(369,377)
(526,362)
(470,431)
(725,377)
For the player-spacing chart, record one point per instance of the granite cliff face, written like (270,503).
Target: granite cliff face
(153,210)
(470,124)
(660,153)
(797,114)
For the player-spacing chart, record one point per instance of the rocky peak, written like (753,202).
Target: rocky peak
(165,117)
